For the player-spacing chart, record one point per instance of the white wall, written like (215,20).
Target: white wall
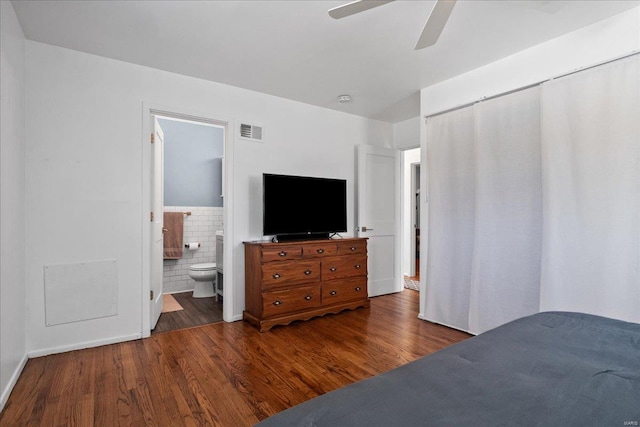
(599,42)
(611,38)
(406,134)
(12,202)
(84,171)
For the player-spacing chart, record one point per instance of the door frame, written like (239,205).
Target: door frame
(408,206)
(415,207)
(149,110)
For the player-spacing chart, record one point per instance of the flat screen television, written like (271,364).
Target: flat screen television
(302,207)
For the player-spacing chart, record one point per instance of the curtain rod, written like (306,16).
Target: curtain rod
(487,98)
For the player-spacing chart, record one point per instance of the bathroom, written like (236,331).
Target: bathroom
(192,188)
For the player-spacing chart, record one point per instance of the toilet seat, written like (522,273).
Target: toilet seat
(203,267)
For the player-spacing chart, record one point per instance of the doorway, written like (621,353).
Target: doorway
(206,224)
(411,218)
(193,162)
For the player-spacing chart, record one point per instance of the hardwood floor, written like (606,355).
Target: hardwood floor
(197,311)
(225,374)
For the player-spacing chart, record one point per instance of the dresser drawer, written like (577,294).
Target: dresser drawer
(337,291)
(275,274)
(345,266)
(312,250)
(290,300)
(281,253)
(352,247)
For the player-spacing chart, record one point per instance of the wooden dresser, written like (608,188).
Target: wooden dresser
(299,280)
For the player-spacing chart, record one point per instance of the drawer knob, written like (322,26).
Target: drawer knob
(353,248)
(276,276)
(333,269)
(358,288)
(333,293)
(282,253)
(307,272)
(357,266)
(277,303)
(308,297)
(320,251)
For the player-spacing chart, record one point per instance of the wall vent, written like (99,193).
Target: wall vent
(252,132)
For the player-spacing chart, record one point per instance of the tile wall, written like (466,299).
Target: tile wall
(200,226)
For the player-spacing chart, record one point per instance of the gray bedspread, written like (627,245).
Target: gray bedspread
(549,369)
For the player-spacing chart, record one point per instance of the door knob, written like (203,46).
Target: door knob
(364,228)
(164,230)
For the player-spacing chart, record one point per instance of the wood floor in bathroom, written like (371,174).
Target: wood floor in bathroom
(222,374)
(196,312)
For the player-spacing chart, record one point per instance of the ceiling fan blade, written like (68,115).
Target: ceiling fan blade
(355,7)
(435,24)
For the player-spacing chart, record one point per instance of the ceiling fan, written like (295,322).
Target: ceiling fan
(432,29)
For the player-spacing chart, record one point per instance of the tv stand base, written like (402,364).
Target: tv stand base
(290,281)
(266,324)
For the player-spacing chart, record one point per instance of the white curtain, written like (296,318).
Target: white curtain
(505,279)
(534,202)
(450,159)
(591,157)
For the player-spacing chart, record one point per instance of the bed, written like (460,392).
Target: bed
(549,369)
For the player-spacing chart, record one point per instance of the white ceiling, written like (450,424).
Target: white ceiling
(294,50)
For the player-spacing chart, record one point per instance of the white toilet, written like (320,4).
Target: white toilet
(205,276)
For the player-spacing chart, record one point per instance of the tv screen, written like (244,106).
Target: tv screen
(303,205)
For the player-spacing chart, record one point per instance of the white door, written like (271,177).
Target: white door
(378,216)
(157,207)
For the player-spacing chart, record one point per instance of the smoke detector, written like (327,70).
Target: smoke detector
(344,98)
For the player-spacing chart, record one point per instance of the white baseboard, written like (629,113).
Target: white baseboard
(234,318)
(12,382)
(82,345)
